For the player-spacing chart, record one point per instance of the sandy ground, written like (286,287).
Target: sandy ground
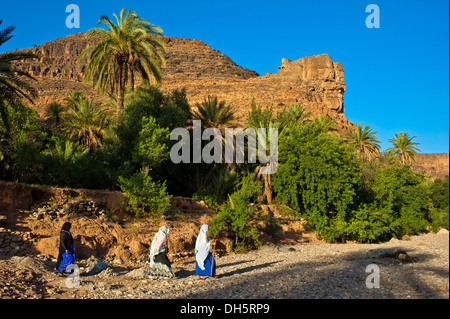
(306,271)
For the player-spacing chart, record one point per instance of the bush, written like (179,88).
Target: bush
(214,184)
(368,223)
(440,197)
(169,111)
(407,194)
(237,214)
(396,202)
(152,144)
(317,177)
(146,198)
(20,147)
(62,162)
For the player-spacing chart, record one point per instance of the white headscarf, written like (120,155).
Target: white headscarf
(202,246)
(159,243)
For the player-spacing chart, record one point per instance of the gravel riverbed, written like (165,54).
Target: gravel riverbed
(308,271)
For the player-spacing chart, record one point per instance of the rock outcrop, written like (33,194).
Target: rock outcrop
(315,82)
(432,164)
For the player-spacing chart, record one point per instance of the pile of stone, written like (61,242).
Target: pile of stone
(15,242)
(86,208)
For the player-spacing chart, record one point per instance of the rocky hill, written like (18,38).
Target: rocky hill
(432,164)
(315,82)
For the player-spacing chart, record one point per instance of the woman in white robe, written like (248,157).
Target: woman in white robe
(158,249)
(205,265)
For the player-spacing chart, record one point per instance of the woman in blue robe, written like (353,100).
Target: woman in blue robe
(205,265)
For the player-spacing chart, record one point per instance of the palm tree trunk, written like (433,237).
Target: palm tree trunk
(268,188)
(122,86)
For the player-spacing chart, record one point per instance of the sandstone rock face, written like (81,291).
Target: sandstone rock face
(432,164)
(315,82)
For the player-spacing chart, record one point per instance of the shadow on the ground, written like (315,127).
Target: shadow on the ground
(246,269)
(343,276)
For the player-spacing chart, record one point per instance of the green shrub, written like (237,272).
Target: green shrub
(20,147)
(396,203)
(317,177)
(214,184)
(236,216)
(440,197)
(209,199)
(146,198)
(152,144)
(271,224)
(62,162)
(369,223)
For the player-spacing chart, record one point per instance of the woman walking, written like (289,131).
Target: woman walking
(205,265)
(66,253)
(160,266)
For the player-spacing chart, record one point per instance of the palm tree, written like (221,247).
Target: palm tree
(12,86)
(53,115)
(365,142)
(124,51)
(404,148)
(214,114)
(326,124)
(74,98)
(386,158)
(87,122)
(285,119)
(270,144)
(292,116)
(65,150)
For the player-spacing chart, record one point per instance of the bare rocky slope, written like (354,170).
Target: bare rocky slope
(315,82)
(432,164)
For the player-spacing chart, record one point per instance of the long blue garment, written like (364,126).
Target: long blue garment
(209,263)
(67,258)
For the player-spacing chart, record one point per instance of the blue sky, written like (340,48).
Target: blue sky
(397,76)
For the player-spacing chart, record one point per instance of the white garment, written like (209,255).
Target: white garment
(202,246)
(159,243)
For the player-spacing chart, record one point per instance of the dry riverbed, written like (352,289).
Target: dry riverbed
(416,268)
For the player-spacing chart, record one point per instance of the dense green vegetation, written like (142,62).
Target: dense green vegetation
(342,185)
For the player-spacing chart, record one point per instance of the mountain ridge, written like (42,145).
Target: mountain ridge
(315,82)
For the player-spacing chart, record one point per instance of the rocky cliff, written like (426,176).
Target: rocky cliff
(315,82)
(432,164)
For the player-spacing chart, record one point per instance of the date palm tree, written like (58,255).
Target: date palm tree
(74,98)
(53,115)
(12,84)
(124,51)
(214,113)
(365,142)
(87,122)
(326,124)
(404,148)
(284,121)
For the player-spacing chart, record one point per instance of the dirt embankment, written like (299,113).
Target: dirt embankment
(34,216)
(101,227)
